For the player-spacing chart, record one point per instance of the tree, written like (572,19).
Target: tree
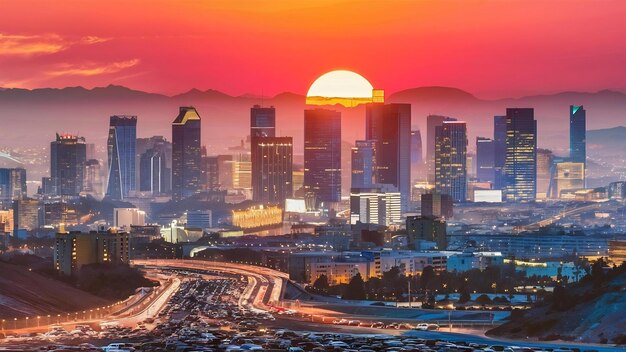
(355,289)
(321,284)
(483,299)
(427,275)
(465,296)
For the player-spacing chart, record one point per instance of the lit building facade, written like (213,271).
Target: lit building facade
(432,121)
(424,228)
(322,154)
(272,169)
(12,184)
(485,159)
(520,167)
(499,147)
(257,217)
(375,206)
(363,164)
(389,126)
(73,250)
(67,165)
(124,218)
(451,160)
(569,177)
(121,147)
(186,153)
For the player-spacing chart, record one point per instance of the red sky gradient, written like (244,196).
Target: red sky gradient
(493,49)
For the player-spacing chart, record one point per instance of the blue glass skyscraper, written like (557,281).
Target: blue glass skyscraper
(577,134)
(121,147)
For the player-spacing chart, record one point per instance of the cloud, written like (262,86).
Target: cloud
(92,69)
(43,44)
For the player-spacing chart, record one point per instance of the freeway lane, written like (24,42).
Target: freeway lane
(261,277)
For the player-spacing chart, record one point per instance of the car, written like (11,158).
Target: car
(378,325)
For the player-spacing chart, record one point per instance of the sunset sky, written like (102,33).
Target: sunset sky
(490,48)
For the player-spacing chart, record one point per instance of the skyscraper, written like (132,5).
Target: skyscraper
(161,146)
(520,166)
(67,165)
(389,125)
(154,173)
(485,159)
(186,154)
(363,164)
(451,159)
(93,180)
(499,148)
(416,147)
(577,134)
(322,154)
(12,184)
(271,157)
(121,147)
(272,169)
(262,122)
(432,121)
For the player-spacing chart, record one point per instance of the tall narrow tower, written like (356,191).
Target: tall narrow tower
(186,153)
(121,147)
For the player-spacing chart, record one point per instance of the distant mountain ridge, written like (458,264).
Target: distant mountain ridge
(226,117)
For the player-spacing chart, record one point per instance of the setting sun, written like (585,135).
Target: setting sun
(340,87)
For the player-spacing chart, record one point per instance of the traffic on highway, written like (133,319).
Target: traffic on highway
(228,311)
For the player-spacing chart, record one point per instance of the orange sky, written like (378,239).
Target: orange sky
(491,48)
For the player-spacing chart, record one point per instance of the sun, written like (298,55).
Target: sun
(342,87)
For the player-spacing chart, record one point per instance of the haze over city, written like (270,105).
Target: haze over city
(322,175)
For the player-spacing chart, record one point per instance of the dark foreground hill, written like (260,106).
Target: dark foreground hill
(26,293)
(592,311)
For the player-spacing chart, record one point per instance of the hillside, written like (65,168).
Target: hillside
(592,311)
(25,293)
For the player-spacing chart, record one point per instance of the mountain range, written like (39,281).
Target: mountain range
(31,117)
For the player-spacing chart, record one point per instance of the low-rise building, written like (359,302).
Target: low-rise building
(75,249)
(469,260)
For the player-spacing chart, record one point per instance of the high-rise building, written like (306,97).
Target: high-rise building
(74,250)
(485,159)
(617,190)
(432,121)
(271,157)
(154,173)
(162,147)
(499,147)
(416,147)
(27,214)
(272,161)
(186,153)
(389,125)
(262,122)
(211,172)
(12,184)
(322,154)
(124,218)
(67,165)
(380,206)
(121,147)
(569,177)
(363,164)
(545,170)
(577,134)
(451,160)
(437,205)
(520,167)
(93,178)
(424,228)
